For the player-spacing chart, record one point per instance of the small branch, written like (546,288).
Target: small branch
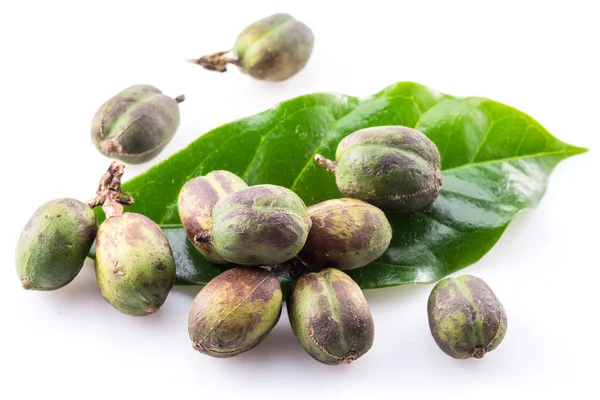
(180,98)
(329,165)
(217,61)
(110,195)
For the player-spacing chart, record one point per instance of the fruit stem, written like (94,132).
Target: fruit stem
(216,61)
(325,163)
(180,98)
(110,195)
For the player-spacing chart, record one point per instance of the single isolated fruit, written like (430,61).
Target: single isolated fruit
(392,167)
(196,201)
(465,317)
(260,225)
(54,244)
(345,234)
(136,124)
(235,311)
(135,269)
(272,49)
(330,317)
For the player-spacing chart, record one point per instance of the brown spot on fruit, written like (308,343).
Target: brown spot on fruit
(225,181)
(313,282)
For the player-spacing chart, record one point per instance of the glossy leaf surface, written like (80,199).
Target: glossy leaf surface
(496,161)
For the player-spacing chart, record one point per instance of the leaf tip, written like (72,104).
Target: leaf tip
(580,150)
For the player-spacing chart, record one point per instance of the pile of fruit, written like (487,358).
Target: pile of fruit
(262,229)
(258,230)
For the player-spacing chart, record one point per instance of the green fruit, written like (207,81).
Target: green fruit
(392,167)
(136,124)
(196,201)
(465,317)
(54,244)
(235,311)
(345,234)
(330,317)
(260,225)
(272,49)
(135,269)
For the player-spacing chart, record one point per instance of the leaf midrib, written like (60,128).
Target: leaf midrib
(567,152)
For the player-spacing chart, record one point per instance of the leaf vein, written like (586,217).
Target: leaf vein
(522,139)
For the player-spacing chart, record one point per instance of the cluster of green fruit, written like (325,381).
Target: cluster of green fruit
(268,226)
(135,269)
(392,167)
(258,229)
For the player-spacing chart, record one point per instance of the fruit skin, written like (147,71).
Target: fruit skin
(54,244)
(345,234)
(136,124)
(465,317)
(392,167)
(196,201)
(235,311)
(260,225)
(135,269)
(274,48)
(330,317)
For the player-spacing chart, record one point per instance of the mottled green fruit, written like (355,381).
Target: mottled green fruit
(274,48)
(54,244)
(135,269)
(465,317)
(330,317)
(196,201)
(260,225)
(235,311)
(136,124)
(345,234)
(393,167)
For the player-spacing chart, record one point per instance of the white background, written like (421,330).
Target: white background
(60,61)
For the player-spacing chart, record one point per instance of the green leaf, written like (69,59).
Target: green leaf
(496,162)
